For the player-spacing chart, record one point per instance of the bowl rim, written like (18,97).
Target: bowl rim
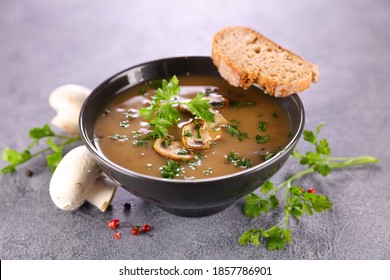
(101,158)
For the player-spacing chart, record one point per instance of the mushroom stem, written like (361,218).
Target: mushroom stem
(102,193)
(78,178)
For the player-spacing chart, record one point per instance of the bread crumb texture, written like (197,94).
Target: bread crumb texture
(244,56)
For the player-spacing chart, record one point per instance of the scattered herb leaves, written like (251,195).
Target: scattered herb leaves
(171,170)
(297,202)
(234,131)
(262,139)
(238,161)
(119,137)
(262,126)
(237,104)
(16,158)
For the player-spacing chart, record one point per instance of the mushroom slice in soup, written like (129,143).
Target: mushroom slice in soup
(216,100)
(171,148)
(196,135)
(219,120)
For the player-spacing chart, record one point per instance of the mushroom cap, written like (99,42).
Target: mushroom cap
(74,178)
(67,100)
(172,149)
(198,135)
(70,96)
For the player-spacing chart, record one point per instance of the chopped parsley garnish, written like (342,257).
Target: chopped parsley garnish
(124,124)
(183,152)
(171,170)
(233,130)
(155,84)
(208,171)
(142,91)
(262,138)
(238,161)
(187,133)
(199,156)
(131,114)
(237,104)
(119,137)
(262,126)
(140,142)
(268,155)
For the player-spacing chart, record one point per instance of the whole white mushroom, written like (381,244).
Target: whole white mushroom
(77,179)
(67,101)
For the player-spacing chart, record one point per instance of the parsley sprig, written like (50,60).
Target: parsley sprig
(16,158)
(297,202)
(162,112)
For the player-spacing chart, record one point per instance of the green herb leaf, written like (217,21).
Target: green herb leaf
(238,161)
(15,158)
(278,238)
(162,114)
(273,202)
(233,130)
(201,108)
(236,104)
(262,139)
(54,159)
(39,133)
(255,205)
(297,202)
(119,137)
(266,187)
(262,126)
(250,236)
(171,170)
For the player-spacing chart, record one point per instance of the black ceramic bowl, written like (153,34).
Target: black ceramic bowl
(182,197)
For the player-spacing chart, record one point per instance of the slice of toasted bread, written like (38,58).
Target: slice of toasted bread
(244,56)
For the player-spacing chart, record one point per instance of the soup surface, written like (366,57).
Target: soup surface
(256,129)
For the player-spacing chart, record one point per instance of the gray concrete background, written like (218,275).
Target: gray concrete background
(45,43)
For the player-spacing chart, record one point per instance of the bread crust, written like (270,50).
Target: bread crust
(238,54)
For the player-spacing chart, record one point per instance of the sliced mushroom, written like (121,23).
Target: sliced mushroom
(196,135)
(219,120)
(171,148)
(216,100)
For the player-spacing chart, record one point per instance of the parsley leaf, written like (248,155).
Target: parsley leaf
(262,139)
(201,108)
(238,161)
(234,131)
(297,202)
(255,205)
(171,170)
(278,238)
(262,126)
(266,187)
(162,112)
(16,158)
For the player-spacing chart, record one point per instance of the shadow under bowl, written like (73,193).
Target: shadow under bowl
(192,198)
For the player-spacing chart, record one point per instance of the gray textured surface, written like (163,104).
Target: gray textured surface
(45,43)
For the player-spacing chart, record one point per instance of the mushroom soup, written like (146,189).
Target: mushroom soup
(247,128)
